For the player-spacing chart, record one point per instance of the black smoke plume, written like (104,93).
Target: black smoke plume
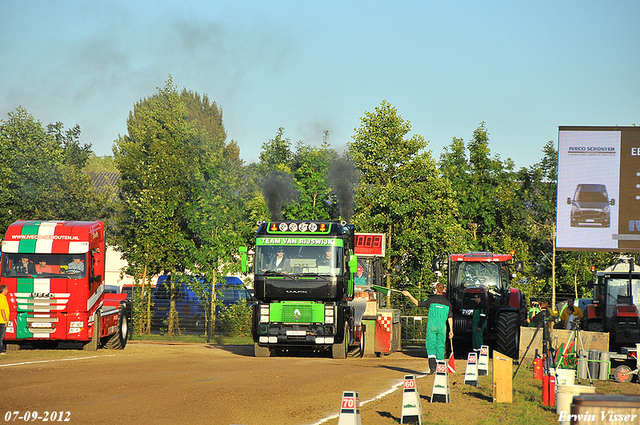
(278,189)
(344,178)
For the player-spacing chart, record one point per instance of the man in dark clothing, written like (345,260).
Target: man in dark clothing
(479,321)
(440,312)
(24,266)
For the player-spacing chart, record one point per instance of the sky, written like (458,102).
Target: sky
(523,68)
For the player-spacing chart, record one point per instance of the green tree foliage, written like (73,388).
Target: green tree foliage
(157,163)
(309,168)
(181,191)
(42,172)
(485,190)
(215,215)
(100,163)
(538,197)
(402,195)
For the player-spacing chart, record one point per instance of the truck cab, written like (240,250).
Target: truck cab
(303,281)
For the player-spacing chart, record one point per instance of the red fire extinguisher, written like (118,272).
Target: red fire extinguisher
(549,390)
(537,367)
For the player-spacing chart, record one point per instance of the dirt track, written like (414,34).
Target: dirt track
(194,383)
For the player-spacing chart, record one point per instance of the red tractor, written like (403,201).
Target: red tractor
(616,299)
(489,275)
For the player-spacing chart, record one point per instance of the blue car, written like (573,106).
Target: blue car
(190,309)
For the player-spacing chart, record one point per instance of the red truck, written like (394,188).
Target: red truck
(54,271)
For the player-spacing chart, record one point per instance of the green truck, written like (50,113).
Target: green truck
(304,285)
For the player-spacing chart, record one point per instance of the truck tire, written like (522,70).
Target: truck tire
(508,334)
(118,340)
(339,350)
(595,326)
(95,339)
(259,351)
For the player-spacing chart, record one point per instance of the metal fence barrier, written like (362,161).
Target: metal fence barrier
(414,331)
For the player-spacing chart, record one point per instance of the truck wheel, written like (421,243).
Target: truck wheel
(508,334)
(339,351)
(259,351)
(622,374)
(595,326)
(118,340)
(95,339)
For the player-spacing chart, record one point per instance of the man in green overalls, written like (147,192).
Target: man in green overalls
(440,312)
(479,321)
(533,310)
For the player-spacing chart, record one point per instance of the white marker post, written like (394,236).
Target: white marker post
(350,409)
(483,361)
(411,407)
(471,372)
(440,391)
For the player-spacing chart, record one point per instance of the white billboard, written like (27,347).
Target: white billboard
(598,206)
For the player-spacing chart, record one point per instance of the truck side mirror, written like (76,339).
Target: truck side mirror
(244,262)
(612,202)
(353,263)
(590,284)
(519,266)
(569,201)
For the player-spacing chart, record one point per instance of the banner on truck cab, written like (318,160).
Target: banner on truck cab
(298,241)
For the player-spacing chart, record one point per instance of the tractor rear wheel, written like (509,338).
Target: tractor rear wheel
(595,326)
(508,334)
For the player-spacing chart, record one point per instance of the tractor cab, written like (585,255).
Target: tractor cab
(616,302)
(488,275)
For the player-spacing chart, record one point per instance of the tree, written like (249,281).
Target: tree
(156,162)
(538,197)
(307,168)
(98,164)
(402,195)
(215,214)
(310,168)
(42,172)
(481,183)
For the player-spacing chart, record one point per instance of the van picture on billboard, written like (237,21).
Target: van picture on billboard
(590,206)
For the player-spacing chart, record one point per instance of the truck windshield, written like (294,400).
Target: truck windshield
(477,274)
(618,293)
(71,266)
(299,260)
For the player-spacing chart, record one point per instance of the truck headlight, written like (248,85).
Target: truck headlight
(264,313)
(329,313)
